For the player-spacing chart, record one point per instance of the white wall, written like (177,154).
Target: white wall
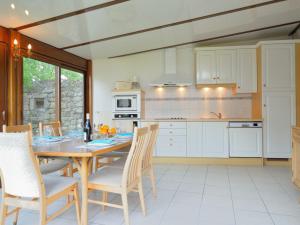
(183,102)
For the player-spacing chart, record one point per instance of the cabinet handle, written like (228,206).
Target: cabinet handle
(170,144)
(265,85)
(265,105)
(239,87)
(170,132)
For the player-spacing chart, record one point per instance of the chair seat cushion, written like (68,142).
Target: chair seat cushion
(53,166)
(110,176)
(56,184)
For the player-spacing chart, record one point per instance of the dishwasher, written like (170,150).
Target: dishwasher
(245,139)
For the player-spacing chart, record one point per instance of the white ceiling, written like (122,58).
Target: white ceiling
(140,14)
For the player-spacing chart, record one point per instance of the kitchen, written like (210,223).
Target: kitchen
(173,112)
(175,85)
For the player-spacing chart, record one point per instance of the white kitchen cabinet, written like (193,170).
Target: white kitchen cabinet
(194,139)
(216,66)
(215,139)
(279,117)
(206,67)
(226,66)
(246,70)
(171,141)
(278,65)
(245,142)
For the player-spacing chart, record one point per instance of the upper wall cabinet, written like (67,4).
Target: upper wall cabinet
(206,67)
(278,62)
(246,70)
(228,65)
(216,66)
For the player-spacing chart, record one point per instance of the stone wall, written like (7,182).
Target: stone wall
(39,104)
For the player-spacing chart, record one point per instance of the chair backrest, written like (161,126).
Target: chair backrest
(55,128)
(19,129)
(133,165)
(19,167)
(147,161)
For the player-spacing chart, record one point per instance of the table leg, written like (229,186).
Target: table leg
(84,171)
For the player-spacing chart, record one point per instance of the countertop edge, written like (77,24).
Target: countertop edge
(205,120)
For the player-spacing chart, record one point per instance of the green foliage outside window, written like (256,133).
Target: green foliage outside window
(37,71)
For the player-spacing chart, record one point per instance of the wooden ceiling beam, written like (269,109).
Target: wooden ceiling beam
(176,23)
(210,39)
(294,30)
(70,14)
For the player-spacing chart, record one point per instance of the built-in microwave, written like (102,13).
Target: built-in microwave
(125,103)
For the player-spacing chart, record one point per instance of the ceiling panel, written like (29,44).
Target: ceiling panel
(39,10)
(127,17)
(218,26)
(141,14)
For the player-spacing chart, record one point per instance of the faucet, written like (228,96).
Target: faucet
(218,115)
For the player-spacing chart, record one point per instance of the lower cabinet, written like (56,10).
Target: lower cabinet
(194,139)
(171,140)
(215,139)
(207,139)
(279,114)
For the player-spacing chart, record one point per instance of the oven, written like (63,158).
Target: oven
(125,103)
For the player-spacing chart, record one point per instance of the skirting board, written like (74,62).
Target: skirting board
(221,161)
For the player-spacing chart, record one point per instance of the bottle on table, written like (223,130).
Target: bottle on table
(87,129)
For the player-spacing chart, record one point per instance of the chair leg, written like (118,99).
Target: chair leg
(104,199)
(141,195)
(76,198)
(125,207)
(43,215)
(4,209)
(152,177)
(16,217)
(70,168)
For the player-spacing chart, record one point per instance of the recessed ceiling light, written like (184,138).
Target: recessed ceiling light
(26,12)
(12,5)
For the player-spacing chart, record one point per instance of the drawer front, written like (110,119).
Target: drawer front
(172,125)
(171,146)
(174,132)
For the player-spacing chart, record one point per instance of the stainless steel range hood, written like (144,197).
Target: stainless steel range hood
(170,78)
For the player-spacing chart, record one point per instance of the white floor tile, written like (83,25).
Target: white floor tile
(252,218)
(199,195)
(286,220)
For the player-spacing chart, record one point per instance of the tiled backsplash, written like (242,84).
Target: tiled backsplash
(189,102)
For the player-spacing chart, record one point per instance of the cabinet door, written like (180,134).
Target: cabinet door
(245,142)
(246,71)
(215,139)
(279,114)
(3,84)
(278,64)
(206,67)
(226,66)
(194,139)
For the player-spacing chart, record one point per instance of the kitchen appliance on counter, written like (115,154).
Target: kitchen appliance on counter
(128,109)
(245,139)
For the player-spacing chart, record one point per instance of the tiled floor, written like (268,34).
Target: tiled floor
(202,195)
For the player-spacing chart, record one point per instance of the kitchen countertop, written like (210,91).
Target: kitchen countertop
(202,120)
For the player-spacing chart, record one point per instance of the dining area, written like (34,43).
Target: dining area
(37,171)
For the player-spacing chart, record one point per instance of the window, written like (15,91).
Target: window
(72,99)
(51,93)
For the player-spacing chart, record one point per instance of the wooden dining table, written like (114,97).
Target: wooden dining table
(82,155)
